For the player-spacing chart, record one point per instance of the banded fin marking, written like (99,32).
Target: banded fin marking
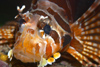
(96,38)
(90,48)
(89,11)
(92,31)
(81,58)
(3,41)
(92,20)
(91,55)
(7,32)
(6,35)
(87,33)
(92,25)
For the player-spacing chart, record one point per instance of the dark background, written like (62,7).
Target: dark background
(8,8)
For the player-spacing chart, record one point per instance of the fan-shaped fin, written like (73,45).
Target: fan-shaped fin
(85,45)
(7,32)
(81,58)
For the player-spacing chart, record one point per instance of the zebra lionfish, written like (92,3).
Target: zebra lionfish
(47,29)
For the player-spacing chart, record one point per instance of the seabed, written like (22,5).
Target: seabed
(66,60)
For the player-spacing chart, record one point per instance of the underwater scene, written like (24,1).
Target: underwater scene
(50,33)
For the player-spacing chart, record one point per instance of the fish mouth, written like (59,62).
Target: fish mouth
(24,58)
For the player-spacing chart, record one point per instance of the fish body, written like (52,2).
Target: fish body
(48,29)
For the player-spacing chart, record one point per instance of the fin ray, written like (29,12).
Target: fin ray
(7,32)
(81,58)
(87,35)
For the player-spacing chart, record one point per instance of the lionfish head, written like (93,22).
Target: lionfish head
(39,36)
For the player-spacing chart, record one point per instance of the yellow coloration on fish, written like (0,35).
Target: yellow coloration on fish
(56,55)
(43,62)
(50,60)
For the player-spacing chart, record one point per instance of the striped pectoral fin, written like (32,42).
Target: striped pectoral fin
(76,49)
(80,57)
(7,33)
(86,41)
(85,54)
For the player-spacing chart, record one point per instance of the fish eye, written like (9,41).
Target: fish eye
(47,29)
(44,24)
